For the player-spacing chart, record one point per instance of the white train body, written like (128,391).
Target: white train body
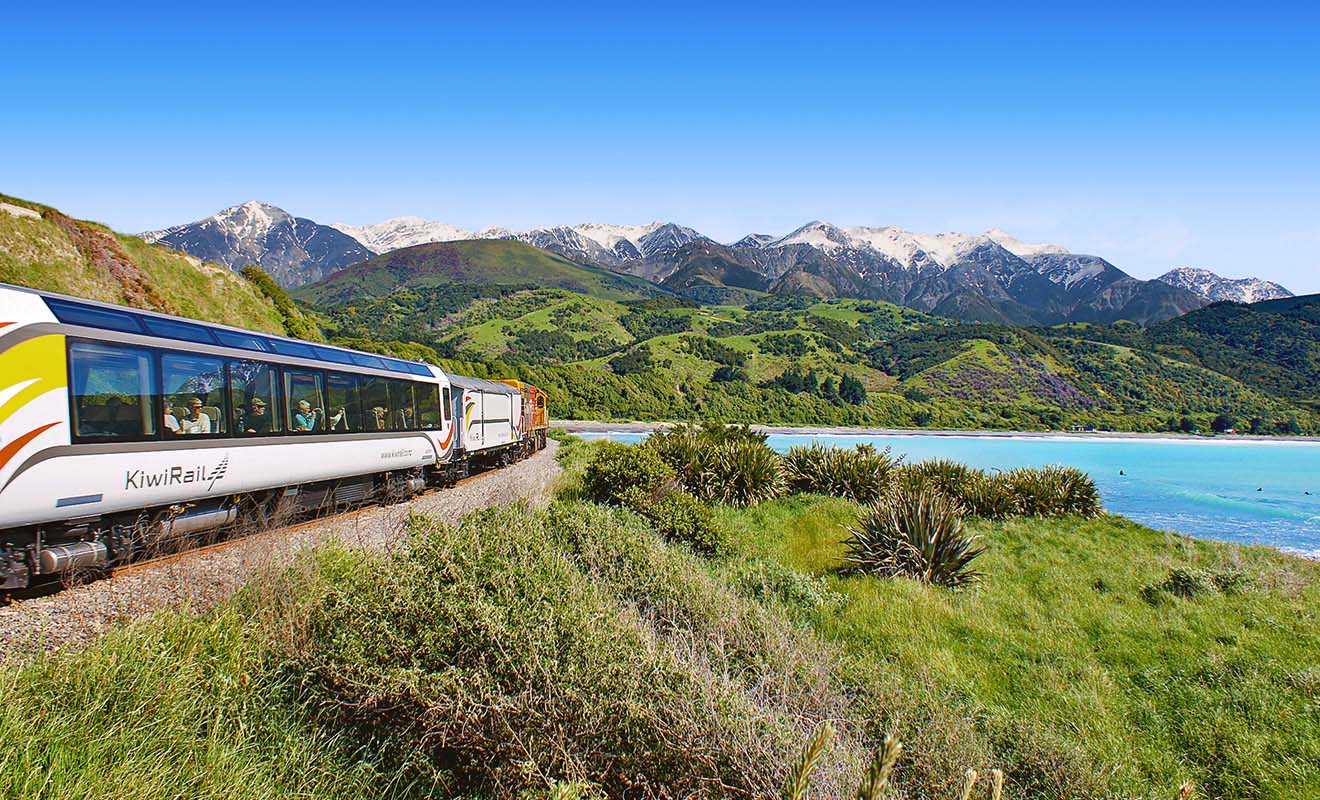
(118,427)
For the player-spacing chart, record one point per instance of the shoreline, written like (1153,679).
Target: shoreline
(594,426)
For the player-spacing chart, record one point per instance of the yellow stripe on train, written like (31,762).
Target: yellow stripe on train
(39,364)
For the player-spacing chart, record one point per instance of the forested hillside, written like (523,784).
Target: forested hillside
(799,361)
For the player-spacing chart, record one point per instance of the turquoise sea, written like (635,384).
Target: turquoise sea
(1251,492)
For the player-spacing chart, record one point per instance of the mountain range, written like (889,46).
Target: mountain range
(1217,289)
(988,277)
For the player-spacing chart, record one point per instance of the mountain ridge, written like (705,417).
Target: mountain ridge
(987,277)
(1215,288)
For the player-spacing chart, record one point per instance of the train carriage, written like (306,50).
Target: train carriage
(489,416)
(122,430)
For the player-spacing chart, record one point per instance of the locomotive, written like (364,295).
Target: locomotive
(125,433)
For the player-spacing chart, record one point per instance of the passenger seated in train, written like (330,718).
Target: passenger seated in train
(307,418)
(196,421)
(256,421)
(339,420)
(171,422)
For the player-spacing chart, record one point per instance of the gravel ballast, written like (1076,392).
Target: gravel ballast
(197,581)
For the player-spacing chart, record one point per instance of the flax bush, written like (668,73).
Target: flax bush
(916,535)
(860,474)
(1053,491)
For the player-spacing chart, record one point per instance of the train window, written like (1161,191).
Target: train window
(253,398)
(403,410)
(303,401)
(193,391)
(375,403)
(243,340)
(331,354)
(364,360)
(92,316)
(428,405)
(445,399)
(343,406)
(291,348)
(113,391)
(174,329)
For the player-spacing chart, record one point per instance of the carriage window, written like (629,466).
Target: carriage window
(403,412)
(428,405)
(303,401)
(253,398)
(113,392)
(193,394)
(445,399)
(343,407)
(375,404)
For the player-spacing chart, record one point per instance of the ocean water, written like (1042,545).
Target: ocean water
(1250,492)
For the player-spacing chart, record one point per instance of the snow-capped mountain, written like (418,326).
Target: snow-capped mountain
(399,232)
(292,249)
(1212,287)
(990,276)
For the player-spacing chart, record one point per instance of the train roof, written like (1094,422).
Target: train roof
(469,382)
(107,316)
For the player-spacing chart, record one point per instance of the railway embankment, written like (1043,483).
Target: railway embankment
(200,579)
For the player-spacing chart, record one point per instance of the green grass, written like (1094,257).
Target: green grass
(170,707)
(1065,653)
(37,254)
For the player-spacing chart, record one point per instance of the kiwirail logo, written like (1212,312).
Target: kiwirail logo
(176,476)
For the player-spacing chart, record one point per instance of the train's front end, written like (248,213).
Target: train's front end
(34,422)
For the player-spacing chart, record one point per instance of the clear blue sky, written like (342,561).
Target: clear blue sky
(1154,134)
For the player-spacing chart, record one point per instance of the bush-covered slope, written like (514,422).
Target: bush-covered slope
(785,360)
(57,253)
(491,262)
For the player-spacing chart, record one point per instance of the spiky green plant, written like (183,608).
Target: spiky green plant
(1053,491)
(860,474)
(979,493)
(798,781)
(876,777)
(740,472)
(914,534)
(680,447)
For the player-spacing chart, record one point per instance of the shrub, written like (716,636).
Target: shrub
(1053,491)
(615,468)
(679,517)
(916,535)
(859,474)
(526,647)
(740,472)
(774,582)
(728,464)
(680,448)
(979,493)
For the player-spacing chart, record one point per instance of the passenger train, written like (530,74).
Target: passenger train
(124,433)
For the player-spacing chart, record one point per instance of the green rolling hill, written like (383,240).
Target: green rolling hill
(484,262)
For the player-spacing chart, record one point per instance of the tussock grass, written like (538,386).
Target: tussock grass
(1057,669)
(170,707)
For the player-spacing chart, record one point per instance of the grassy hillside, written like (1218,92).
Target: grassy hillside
(480,262)
(587,651)
(60,254)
